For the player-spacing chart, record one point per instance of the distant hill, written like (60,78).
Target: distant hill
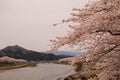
(67,53)
(18,52)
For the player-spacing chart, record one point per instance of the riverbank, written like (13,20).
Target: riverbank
(43,71)
(6,66)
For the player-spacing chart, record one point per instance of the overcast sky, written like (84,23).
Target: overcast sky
(28,23)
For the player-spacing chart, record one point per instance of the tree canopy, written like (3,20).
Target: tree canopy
(97,27)
(97,30)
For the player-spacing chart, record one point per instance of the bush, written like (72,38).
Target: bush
(83,78)
(79,66)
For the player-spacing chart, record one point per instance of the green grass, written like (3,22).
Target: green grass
(4,66)
(9,64)
(32,64)
(79,66)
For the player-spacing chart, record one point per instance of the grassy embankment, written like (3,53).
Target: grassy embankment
(5,66)
(55,62)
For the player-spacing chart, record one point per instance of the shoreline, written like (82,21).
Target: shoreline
(17,65)
(13,67)
(59,77)
(51,70)
(29,64)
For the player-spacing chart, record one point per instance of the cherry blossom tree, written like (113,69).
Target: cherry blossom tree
(97,30)
(97,27)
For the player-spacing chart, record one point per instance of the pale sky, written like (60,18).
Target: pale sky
(28,23)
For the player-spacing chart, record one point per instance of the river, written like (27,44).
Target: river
(44,71)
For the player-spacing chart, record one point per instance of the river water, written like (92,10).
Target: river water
(44,71)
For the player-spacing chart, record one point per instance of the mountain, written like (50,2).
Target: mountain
(18,52)
(67,53)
